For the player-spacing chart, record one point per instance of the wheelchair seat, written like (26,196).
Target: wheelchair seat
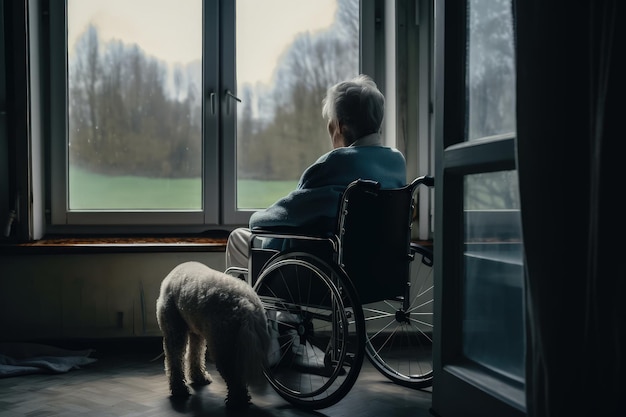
(332,299)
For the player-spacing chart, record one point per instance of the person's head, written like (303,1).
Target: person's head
(353,108)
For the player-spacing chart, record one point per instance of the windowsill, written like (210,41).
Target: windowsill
(215,242)
(106,244)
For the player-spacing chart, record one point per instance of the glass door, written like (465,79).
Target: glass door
(479,319)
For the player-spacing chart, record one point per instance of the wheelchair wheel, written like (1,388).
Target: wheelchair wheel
(399,331)
(317,327)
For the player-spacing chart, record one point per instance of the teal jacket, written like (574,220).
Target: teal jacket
(314,204)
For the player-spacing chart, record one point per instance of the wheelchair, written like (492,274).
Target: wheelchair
(331,300)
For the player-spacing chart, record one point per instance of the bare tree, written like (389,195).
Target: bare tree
(296,135)
(123,120)
(85,76)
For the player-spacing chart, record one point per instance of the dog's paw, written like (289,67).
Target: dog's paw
(238,401)
(201,379)
(180,391)
(237,405)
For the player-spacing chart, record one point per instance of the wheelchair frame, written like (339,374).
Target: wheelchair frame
(316,315)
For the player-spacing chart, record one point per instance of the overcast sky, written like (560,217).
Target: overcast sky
(171,29)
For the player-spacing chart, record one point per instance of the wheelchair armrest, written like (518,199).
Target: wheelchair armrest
(289,232)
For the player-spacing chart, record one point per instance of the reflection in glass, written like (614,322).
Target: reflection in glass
(493,290)
(285,63)
(134,91)
(491,69)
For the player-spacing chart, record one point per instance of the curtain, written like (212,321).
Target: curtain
(570,150)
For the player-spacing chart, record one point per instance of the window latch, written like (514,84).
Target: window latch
(231,95)
(212,102)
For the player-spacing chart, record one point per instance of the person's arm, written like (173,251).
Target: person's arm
(315,197)
(301,208)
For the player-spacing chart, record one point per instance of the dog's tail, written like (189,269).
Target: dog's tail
(253,348)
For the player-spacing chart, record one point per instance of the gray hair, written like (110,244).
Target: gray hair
(357,104)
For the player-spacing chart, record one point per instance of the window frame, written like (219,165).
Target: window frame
(61,218)
(219,130)
(475,388)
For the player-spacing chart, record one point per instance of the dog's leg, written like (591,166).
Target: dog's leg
(196,360)
(174,347)
(175,335)
(226,364)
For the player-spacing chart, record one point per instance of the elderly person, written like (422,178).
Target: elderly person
(354,110)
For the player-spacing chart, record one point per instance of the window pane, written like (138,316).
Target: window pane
(288,53)
(491,69)
(135,115)
(493,320)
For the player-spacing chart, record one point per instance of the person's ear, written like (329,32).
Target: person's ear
(330,127)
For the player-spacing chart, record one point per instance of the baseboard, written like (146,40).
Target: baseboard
(108,346)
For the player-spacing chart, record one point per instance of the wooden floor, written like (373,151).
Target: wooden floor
(128,382)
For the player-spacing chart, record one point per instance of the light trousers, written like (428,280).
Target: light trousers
(238,248)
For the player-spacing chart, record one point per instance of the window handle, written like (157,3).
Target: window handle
(230,94)
(12,217)
(212,102)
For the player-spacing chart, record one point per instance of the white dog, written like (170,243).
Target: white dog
(207,311)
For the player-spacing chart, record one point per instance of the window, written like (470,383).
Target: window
(192,115)
(479,336)
(490,69)
(493,278)
(281,83)
(134,138)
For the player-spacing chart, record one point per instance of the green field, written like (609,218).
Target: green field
(89,191)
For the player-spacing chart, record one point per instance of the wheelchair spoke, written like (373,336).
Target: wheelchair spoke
(422,294)
(285,286)
(385,341)
(426,303)
(379,314)
(421,332)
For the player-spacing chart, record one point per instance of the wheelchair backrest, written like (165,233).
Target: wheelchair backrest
(374,230)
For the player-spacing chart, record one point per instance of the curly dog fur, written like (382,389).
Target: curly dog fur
(211,313)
